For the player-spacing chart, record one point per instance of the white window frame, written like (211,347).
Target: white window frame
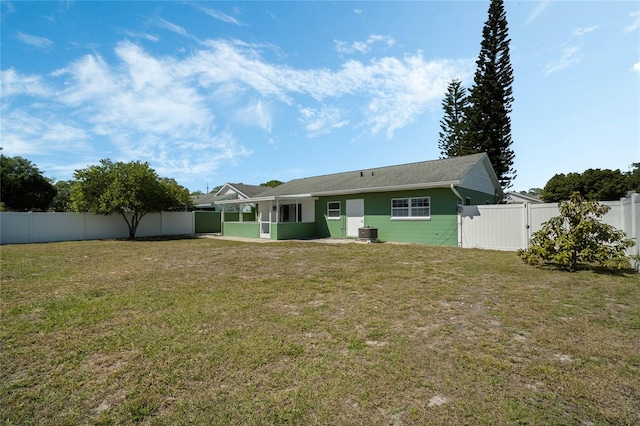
(410,208)
(329,210)
(294,213)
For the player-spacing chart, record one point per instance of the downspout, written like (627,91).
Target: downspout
(457,194)
(458,209)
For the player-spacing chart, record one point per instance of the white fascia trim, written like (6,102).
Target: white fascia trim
(446,184)
(315,195)
(271,198)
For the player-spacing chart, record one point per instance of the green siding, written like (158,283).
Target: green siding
(207,221)
(231,217)
(241,229)
(478,198)
(441,229)
(290,231)
(235,217)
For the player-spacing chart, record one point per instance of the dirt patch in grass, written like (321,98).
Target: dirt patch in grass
(222,332)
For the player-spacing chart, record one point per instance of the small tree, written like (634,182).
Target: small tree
(578,236)
(129,189)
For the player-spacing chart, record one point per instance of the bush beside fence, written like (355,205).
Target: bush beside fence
(511,226)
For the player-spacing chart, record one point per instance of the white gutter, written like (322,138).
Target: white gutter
(315,195)
(270,198)
(457,194)
(407,187)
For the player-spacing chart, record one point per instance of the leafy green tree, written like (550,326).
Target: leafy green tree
(561,186)
(633,177)
(593,184)
(62,200)
(452,125)
(578,236)
(22,185)
(604,185)
(131,190)
(272,183)
(490,98)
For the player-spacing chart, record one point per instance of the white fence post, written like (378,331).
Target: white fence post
(29,226)
(525,228)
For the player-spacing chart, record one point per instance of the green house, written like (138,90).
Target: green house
(415,203)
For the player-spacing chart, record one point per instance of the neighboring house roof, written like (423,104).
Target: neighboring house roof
(426,174)
(228,191)
(246,190)
(203,199)
(515,198)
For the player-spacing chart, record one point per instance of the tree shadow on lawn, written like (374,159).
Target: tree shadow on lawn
(595,268)
(160,238)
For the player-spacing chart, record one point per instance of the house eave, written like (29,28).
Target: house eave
(270,198)
(412,186)
(315,195)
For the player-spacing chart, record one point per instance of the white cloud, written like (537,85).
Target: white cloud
(35,41)
(169,26)
(584,30)
(569,58)
(13,84)
(148,110)
(145,36)
(362,46)
(636,66)
(396,90)
(635,24)
(220,16)
(321,121)
(255,114)
(537,11)
(161,108)
(24,133)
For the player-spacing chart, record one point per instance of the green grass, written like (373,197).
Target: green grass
(203,331)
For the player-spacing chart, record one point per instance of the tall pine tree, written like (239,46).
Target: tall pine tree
(490,98)
(452,125)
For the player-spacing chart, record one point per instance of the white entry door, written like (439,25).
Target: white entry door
(355,216)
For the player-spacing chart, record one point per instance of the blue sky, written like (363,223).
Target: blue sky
(215,92)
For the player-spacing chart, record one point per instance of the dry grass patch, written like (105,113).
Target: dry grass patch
(216,332)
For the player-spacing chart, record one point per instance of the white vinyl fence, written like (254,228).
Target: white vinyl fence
(511,226)
(20,228)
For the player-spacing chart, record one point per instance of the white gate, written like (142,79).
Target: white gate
(510,226)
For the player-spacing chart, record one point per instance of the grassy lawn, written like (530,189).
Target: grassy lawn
(203,331)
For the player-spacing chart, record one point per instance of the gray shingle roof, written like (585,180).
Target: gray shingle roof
(211,198)
(203,199)
(427,173)
(249,190)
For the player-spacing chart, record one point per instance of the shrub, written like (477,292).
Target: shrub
(578,236)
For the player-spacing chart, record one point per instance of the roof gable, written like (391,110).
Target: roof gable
(434,173)
(240,190)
